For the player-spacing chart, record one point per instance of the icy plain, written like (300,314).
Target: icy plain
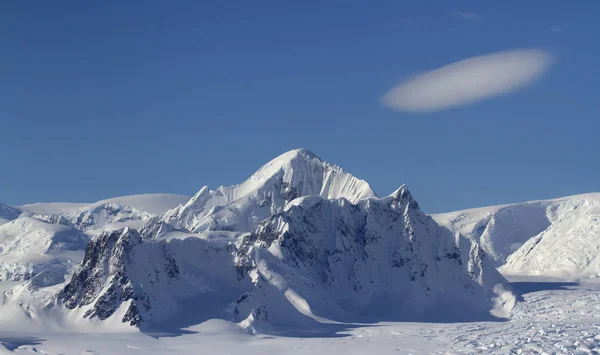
(555,316)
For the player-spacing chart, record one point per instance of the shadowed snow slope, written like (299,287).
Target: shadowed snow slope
(552,237)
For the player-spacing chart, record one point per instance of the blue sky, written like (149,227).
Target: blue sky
(108,98)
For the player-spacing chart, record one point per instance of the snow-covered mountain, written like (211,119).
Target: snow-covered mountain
(376,259)
(318,260)
(301,241)
(500,230)
(559,237)
(95,217)
(241,207)
(29,246)
(50,238)
(140,280)
(114,213)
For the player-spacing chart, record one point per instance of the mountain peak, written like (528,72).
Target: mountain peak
(402,197)
(287,159)
(304,152)
(401,193)
(293,174)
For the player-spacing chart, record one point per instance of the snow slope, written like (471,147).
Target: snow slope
(569,247)
(552,237)
(500,230)
(29,246)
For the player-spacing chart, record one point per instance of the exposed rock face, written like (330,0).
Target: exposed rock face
(103,279)
(148,278)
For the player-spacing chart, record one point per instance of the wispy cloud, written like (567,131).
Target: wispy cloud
(466,15)
(470,80)
(555,28)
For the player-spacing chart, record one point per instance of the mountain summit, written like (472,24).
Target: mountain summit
(241,207)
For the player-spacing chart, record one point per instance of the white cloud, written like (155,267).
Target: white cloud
(470,80)
(467,15)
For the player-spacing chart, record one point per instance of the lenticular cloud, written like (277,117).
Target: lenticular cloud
(469,80)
